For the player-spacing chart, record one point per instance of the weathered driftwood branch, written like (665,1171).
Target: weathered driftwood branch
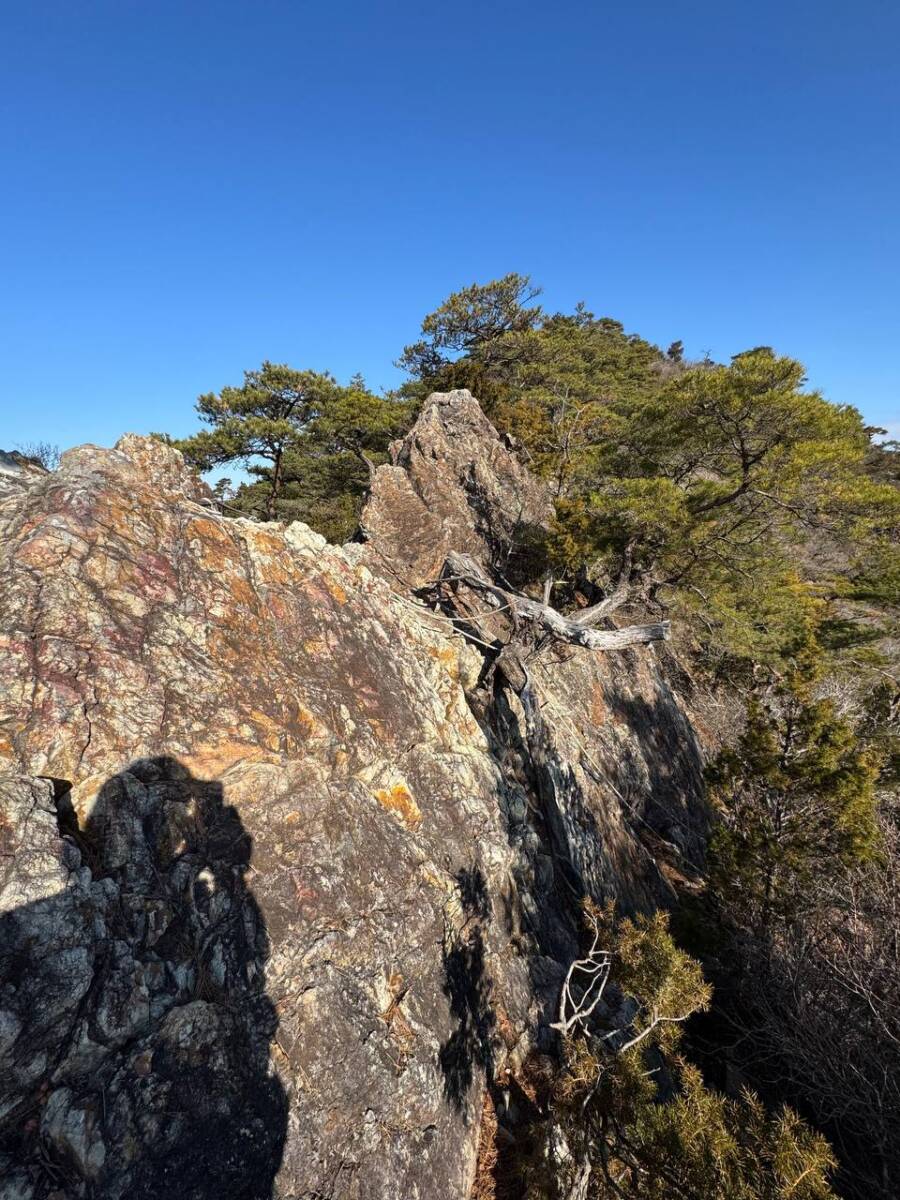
(462,568)
(596,966)
(616,598)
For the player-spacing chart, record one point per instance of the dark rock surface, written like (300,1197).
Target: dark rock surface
(135,1057)
(17,471)
(284,889)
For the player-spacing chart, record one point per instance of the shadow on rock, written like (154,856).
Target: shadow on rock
(670,775)
(134,1023)
(467,985)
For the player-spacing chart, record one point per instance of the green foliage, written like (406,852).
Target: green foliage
(355,421)
(881,729)
(223,490)
(713,483)
(639,1122)
(546,379)
(797,798)
(883,457)
(469,323)
(708,479)
(876,576)
(325,490)
(708,1147)
(262,419)
(554,388)
(328,470)
(665,983)
(310,443)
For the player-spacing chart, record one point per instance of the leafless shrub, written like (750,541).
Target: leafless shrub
(45,454)
(819,1016)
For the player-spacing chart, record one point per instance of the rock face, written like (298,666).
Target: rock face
(454,485)
(17,471)
(284,887)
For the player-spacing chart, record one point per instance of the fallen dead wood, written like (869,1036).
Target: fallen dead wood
(463,569)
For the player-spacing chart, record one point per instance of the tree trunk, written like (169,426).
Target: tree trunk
(370,466)
(275,490)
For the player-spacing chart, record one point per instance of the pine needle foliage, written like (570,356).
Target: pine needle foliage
(796,797)
(702,482)
(309,443)
(633,1120)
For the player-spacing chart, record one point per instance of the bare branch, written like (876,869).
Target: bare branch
(616,598)
(461,568)
(597,966)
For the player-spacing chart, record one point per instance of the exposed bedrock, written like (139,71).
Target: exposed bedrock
(285,883)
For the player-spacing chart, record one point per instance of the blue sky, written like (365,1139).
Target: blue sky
(192,186)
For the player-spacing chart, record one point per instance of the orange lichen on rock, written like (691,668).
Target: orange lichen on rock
(211,760)
(448,657)
(399,800)
(216,549)
(335,589)
(445,654)
(308,724)
(598,705)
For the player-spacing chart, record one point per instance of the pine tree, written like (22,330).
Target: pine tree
(262,419)
(629,1119)
(796,798)
(310,444)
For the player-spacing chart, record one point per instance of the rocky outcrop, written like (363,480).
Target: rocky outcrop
(286,882)
(17,471)
(454,484)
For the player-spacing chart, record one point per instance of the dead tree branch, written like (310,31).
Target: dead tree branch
(596,966)
(462,568)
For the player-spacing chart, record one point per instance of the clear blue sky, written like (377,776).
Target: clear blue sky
(190,186)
